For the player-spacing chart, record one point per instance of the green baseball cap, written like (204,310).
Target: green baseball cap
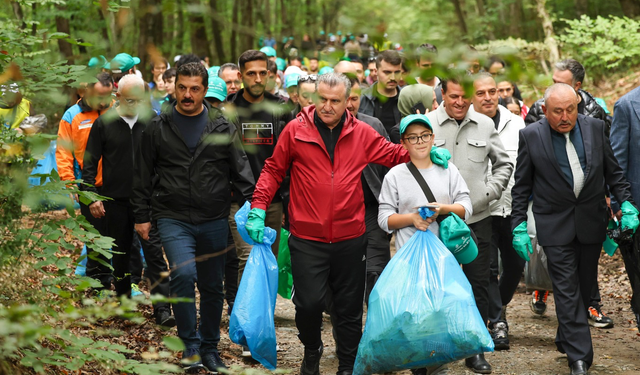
(325,70)
(456,236)
(122,63)
(269,51)
(217,88)
(213,71)
(97,62)
(412,119)
(281,64)
(291,80)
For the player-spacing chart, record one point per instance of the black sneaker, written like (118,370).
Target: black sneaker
(311,361)
(191,361)
(539,301)
(598,319)
(213,362)
(419,371)
(165,319)
(500,335)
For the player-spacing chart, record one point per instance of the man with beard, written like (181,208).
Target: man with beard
(259,117)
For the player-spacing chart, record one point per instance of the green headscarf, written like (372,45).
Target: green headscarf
(411,95)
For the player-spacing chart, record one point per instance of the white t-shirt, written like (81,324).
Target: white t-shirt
(130,120)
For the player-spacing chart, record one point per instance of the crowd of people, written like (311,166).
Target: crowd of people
(323,150)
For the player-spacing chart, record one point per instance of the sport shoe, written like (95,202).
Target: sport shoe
(500,334)
(191,361)
(245,351)
(539,301)
(419,371)
(598,319)
(165,319)
(213,362)
(135,290)
(311,361)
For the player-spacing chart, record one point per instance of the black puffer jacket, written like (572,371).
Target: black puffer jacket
(588,107)
(192,188)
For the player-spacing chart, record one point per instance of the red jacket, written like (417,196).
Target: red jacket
(327,202)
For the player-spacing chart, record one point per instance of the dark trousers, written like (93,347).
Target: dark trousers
(136,266)
(231,271)
(120,222)
(378,251)
(156,266)
(96,269)
(501,291)
(478,272)
(340,268)
(572,269)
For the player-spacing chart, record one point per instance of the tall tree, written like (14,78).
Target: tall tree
(199,39)
(549,34)
(62,26)
(461,17)
(216,26)
(630,8)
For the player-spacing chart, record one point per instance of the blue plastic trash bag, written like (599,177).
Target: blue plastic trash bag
(421,312)
(251,321)
(81,270)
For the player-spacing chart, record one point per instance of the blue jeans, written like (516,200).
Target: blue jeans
(183,243)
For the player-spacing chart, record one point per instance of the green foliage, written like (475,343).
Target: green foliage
(603,45)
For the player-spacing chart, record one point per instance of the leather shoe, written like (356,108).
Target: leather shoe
(344,373)
(478,364)
(579,368)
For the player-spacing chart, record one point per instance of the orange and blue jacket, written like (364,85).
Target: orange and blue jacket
(73,134)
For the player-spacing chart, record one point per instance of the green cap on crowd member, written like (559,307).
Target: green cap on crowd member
(217,88)
(321,32)
(269,51)
(281,64)
(284,40)
(122,63)
(414,119)
(325,70)
(291,80)
(97,62)
(213,71)
(411,95)
(290,38)
(330,35)
(456,236)
(339,33)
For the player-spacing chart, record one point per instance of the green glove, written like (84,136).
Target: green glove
(629,217)
(522,241)
(255,224)
(440,156)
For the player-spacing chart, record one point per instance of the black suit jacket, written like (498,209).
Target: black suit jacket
(560,216)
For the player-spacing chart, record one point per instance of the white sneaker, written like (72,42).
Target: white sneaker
(245,351)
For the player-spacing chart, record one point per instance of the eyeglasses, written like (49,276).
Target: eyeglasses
(423,138)
(310,78)
(133,101)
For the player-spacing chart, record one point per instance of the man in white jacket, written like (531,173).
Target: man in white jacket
(485,101)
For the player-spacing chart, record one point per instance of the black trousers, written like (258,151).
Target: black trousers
(96,269)
(478,271)
(501,290)
(340,268)
(231,271)
(573,269)
(378,250)
(119,224)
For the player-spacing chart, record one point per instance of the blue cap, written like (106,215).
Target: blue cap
(291,80)
(122,63)
(213,72)
(217,88)
(269,51)
(97,62)
(325,70)
(281,64)
(414,119)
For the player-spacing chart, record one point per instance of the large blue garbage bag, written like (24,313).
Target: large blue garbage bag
(251,321)
(421,312)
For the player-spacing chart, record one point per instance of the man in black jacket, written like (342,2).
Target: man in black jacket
(196,153)
(112,142)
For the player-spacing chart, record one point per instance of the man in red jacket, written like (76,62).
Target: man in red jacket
(325,148)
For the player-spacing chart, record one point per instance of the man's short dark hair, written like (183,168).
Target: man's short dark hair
(272,67)
(226,66)
(249,56)
(389,56)
(576,69)
(313,58)
(357,60)
(168,74)
(188,58)
(354,81)
(425,50)
(158,61)
(193,69)
(104,78)
(445,82)
(293,58)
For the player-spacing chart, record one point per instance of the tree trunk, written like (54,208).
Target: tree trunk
(234,29)
(180,32)
(286,27)
(267,16)
(549,34)
(630,8)
(311,17)
(461,18)
(145,27)
(582,7)
(219,57)
(62,26)
(199,38)
(17,10)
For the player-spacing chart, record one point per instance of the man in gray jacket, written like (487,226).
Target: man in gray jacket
(485,101)
(473,142)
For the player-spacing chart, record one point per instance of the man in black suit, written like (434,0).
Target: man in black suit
(565,161)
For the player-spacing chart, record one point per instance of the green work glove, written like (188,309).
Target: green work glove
(255,224)
(440,156)
(629,216)
(522,241)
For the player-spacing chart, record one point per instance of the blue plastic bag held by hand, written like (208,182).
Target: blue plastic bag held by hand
(421,312)
(251,321)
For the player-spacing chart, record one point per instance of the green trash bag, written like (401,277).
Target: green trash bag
(285,279)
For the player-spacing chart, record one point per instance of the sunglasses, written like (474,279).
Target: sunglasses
(309,78)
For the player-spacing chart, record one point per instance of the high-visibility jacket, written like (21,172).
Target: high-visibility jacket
(13,117)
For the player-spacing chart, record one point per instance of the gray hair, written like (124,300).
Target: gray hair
(130,80)
(557,87)
(576,69)
(334,79)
